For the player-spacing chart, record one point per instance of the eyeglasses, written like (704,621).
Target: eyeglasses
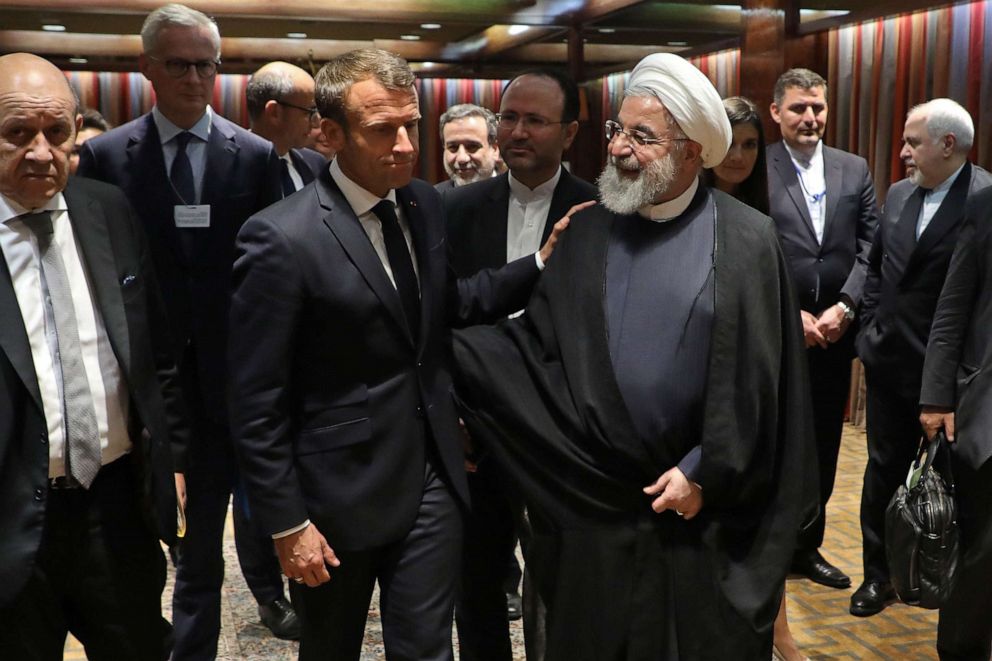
(639,138)
(177,68)
(509,120)
(312,110)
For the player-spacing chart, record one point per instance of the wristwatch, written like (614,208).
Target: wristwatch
(847,310)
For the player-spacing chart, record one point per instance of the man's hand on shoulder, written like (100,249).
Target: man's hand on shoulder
(560,227)
(304,556)
(676,492)
(932,418)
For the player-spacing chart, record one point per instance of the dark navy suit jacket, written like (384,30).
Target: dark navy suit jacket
(241,177)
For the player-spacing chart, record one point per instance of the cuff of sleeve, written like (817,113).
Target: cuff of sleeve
(690,463)
(540,262)
(290,531)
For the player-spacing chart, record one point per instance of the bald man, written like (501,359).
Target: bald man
(92,427)
(281,110)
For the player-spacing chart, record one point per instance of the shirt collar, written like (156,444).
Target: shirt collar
(671,209)
(167,130)
(360,200)
(806,162)
(525,195)
(9,209)
(946,184)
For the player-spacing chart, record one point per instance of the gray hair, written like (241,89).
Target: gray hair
(264,87)
(463,110)
(176,15)
(804,79)
(947,117)
(334,80)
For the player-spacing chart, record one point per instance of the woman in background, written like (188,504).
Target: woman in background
(743,174)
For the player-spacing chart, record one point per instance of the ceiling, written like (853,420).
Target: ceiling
(452,38)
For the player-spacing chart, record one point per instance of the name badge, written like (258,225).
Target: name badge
(191,215)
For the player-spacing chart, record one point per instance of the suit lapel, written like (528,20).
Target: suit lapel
(833,175)
(306,174)
(902,244)
(147,166)
(13,338)
(948,215)
(559,204)
(787,172)
(494,220)
(418,231)
(340,218)
(95,241)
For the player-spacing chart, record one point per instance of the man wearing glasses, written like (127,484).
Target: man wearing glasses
(492,223)
(194,178)
(281,109)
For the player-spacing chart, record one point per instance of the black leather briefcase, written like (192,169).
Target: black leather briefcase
(921,531)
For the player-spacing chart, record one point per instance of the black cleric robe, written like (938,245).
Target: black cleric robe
(540,392)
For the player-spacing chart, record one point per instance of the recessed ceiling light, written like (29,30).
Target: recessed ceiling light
(410,37)
(78,60)
(517,29)
(427,65)
(296,35)
(607,30)
(430,26)
(726,6)
(53,27)
(678,43)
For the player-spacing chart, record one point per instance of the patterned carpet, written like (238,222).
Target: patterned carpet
(818,615)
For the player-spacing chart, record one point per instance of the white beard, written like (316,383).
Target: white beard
(623,196)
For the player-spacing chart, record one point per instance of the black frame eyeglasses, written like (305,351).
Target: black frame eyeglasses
(639,138)
(312,110)
(178,67)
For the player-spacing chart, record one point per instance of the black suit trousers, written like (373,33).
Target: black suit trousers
(99,574)
(964,630)
(830,381)
(417,576)
(893,439)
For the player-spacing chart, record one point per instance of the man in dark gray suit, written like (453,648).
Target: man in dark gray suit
(490,223)
(956,397)
(93,430)
(823,203)
(468,135)
(194,178)
(281,109)
(906,269)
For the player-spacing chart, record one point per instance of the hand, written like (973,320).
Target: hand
(468,447)
(549,245)
(832,323)
(180,490)
(933,418)
(811,333)
(676,492)
(305,554)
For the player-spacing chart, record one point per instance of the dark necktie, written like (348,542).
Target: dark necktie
(181,173)
(82,443)
(288,187)
(401,264)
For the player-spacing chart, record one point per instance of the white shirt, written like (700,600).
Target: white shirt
(666,211)
(932,201)
(526,216)
(813,184)
(21,252)
(196,149)
(294,174)
(361,202)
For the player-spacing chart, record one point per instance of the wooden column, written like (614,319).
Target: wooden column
(767,26)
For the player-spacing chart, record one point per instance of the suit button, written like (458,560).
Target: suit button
(820,260)
(885,255)
(420,363)
(38,494)
(420,411)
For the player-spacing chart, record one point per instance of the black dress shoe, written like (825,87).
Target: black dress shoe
(280,618)
(514,607)
(812,565)
(871,598)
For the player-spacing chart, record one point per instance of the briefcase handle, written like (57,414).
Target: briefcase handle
(929,449)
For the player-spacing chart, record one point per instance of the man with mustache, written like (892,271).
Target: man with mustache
(823,203)
(489,224)
(468,135)
(651,404)
(906,270)
(341,401)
